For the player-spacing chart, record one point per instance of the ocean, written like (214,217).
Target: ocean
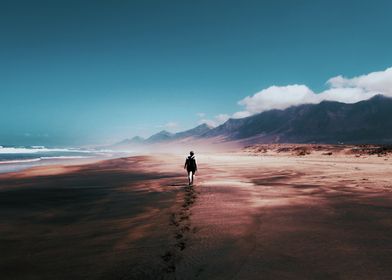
(19,158)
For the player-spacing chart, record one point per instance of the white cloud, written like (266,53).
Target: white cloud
(341,89)
(346,90)
(208,122)
(217,120)
(170,126)
(345,95)
(222,118)
(376,82)
(276,97)
(241,114)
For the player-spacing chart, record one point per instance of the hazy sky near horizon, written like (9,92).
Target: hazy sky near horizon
(89,72)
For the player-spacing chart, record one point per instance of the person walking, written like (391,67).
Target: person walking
(191,167)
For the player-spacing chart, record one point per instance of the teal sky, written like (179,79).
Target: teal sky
(91,72)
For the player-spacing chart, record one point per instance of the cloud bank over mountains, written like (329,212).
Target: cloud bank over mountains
(341,89)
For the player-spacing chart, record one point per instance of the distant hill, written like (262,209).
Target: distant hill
(161,136)
(137,140)
(194,132)
(367,121)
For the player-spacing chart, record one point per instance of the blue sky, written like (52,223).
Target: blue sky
(89,72)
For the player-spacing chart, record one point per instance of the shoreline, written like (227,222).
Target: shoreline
(273,150)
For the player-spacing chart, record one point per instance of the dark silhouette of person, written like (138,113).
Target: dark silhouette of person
(190,166)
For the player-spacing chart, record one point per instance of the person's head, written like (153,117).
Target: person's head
(191,153)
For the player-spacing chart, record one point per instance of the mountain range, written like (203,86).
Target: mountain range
(367,121)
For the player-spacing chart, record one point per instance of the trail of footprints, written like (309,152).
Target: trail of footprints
(180,220)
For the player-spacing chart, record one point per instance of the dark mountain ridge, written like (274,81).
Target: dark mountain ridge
(328,122)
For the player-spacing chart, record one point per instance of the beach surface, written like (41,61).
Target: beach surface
(254,214)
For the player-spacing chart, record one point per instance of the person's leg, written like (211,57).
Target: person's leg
(190,177)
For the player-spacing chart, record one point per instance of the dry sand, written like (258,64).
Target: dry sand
(253,215)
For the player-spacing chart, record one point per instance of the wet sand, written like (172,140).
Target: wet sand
(249,216)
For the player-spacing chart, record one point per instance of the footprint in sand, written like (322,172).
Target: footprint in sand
(181,221)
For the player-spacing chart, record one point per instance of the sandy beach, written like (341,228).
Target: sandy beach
(251,215)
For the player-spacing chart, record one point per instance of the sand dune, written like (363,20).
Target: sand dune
(251,215)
